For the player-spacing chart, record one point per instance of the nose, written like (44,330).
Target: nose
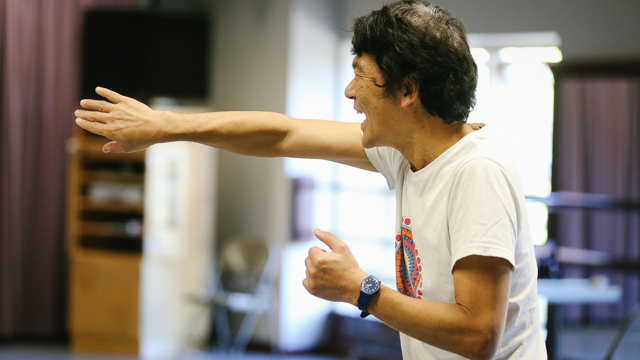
(350,90)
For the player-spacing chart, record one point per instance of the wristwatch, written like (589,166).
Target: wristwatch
(368,287)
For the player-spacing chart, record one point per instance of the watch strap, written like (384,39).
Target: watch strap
(363,304)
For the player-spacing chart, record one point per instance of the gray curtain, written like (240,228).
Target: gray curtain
(39,82)
(597,150)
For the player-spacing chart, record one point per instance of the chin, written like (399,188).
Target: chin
(367,144)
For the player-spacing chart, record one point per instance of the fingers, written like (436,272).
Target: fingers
(93,116)
(328,238)
(99,105)
(307,282)
(112,147)
(315,251)
(310,263)
(113,96)
(92,126)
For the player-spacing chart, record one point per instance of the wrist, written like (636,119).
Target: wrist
(172,126)
(355,293)
(373,302)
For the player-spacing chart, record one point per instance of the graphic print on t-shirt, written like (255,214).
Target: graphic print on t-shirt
(408,264)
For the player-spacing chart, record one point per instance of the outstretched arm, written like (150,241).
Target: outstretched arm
(134,126)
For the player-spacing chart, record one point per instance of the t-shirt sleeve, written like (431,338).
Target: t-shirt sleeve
(483,212)
(387,161)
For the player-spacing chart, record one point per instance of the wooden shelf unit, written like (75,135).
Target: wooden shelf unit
(104,243)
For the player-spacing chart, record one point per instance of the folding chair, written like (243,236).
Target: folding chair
(244,282)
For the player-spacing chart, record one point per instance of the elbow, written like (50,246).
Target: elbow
(484,344)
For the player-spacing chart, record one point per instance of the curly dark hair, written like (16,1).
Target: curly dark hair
(413,40)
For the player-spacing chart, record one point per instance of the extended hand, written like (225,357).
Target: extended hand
(335,275)
(131,124)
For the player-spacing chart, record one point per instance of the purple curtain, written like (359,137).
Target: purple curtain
(597,150)
(39,82)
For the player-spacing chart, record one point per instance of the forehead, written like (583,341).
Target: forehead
(365,63)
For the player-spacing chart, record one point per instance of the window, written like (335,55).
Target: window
(515,99)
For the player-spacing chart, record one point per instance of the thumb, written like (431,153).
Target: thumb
(328,238)
(112,147)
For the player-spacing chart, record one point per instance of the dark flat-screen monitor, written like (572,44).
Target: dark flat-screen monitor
(143,54)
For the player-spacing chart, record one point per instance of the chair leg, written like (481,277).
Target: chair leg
(272,324)
(247,328)
(223,329)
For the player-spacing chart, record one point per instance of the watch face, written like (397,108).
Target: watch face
(370,285)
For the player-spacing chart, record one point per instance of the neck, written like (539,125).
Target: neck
(426,140)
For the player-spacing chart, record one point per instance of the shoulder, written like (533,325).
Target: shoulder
(487,157)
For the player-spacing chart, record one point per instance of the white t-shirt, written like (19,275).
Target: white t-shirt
(468,201)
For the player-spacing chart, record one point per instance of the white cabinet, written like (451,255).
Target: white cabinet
(178,247)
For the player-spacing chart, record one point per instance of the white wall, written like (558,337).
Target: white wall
(250,73)
(312,61)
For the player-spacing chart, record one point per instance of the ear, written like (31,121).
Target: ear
(410,93)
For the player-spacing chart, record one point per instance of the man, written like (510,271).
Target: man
(466,271)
